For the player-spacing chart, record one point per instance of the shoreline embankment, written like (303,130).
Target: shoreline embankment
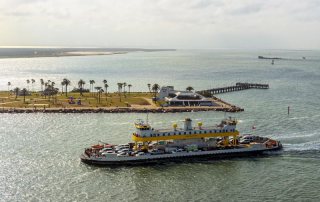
(119,110)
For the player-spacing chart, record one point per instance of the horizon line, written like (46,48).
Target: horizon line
(147,48)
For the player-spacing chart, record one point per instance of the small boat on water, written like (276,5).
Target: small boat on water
(151,146)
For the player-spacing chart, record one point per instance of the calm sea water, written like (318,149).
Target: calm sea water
(39,158)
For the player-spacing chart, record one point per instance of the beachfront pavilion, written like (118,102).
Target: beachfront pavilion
(188,99)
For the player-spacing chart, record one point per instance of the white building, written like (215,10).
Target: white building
(183,98)
(165,91)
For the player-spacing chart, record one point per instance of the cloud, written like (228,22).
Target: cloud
(161,23)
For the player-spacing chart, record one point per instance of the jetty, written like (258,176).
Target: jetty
(238,87)
(269,58)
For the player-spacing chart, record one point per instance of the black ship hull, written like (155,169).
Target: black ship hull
(176,159)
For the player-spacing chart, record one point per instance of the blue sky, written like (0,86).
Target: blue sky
(189,24)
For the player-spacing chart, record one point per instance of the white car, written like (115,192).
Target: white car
(123,150)
(123,154)
(106,149)
(108,153)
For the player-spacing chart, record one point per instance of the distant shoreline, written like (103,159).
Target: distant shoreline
(6,53)
(68,54)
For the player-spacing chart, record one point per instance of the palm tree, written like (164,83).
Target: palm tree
(149,86)
(45,86)
(24,92)
(66,82)
(52,88)
(106,86)
(16,91)
(124,86)
(124,89)
(32,82)
(42,84)
(28,82)
(129,86)
(91,84)
(9,84)
(62,84)
(98,88)
(48,90)
(155,89)
(81,84)
(189,88)
(120,89)
(100,91)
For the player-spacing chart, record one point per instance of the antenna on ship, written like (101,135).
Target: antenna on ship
(147,117)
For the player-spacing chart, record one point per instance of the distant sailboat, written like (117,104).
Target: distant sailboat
(272,62)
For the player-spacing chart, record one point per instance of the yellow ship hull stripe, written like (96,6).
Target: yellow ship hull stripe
(181,137)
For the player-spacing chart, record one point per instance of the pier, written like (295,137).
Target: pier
(239,86)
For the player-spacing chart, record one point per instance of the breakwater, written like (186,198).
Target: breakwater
(121,110)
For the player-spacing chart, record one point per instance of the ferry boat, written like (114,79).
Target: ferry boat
(152,146)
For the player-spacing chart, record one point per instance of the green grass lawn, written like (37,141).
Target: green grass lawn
(87,100)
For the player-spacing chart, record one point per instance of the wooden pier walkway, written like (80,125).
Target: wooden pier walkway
(239,86)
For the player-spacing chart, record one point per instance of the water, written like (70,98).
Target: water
(40,152)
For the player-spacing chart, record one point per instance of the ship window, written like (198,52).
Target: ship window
(200,132)
(205,131)
(189,132)
(174,133)
(184,133)
(144,136)
(163,134)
